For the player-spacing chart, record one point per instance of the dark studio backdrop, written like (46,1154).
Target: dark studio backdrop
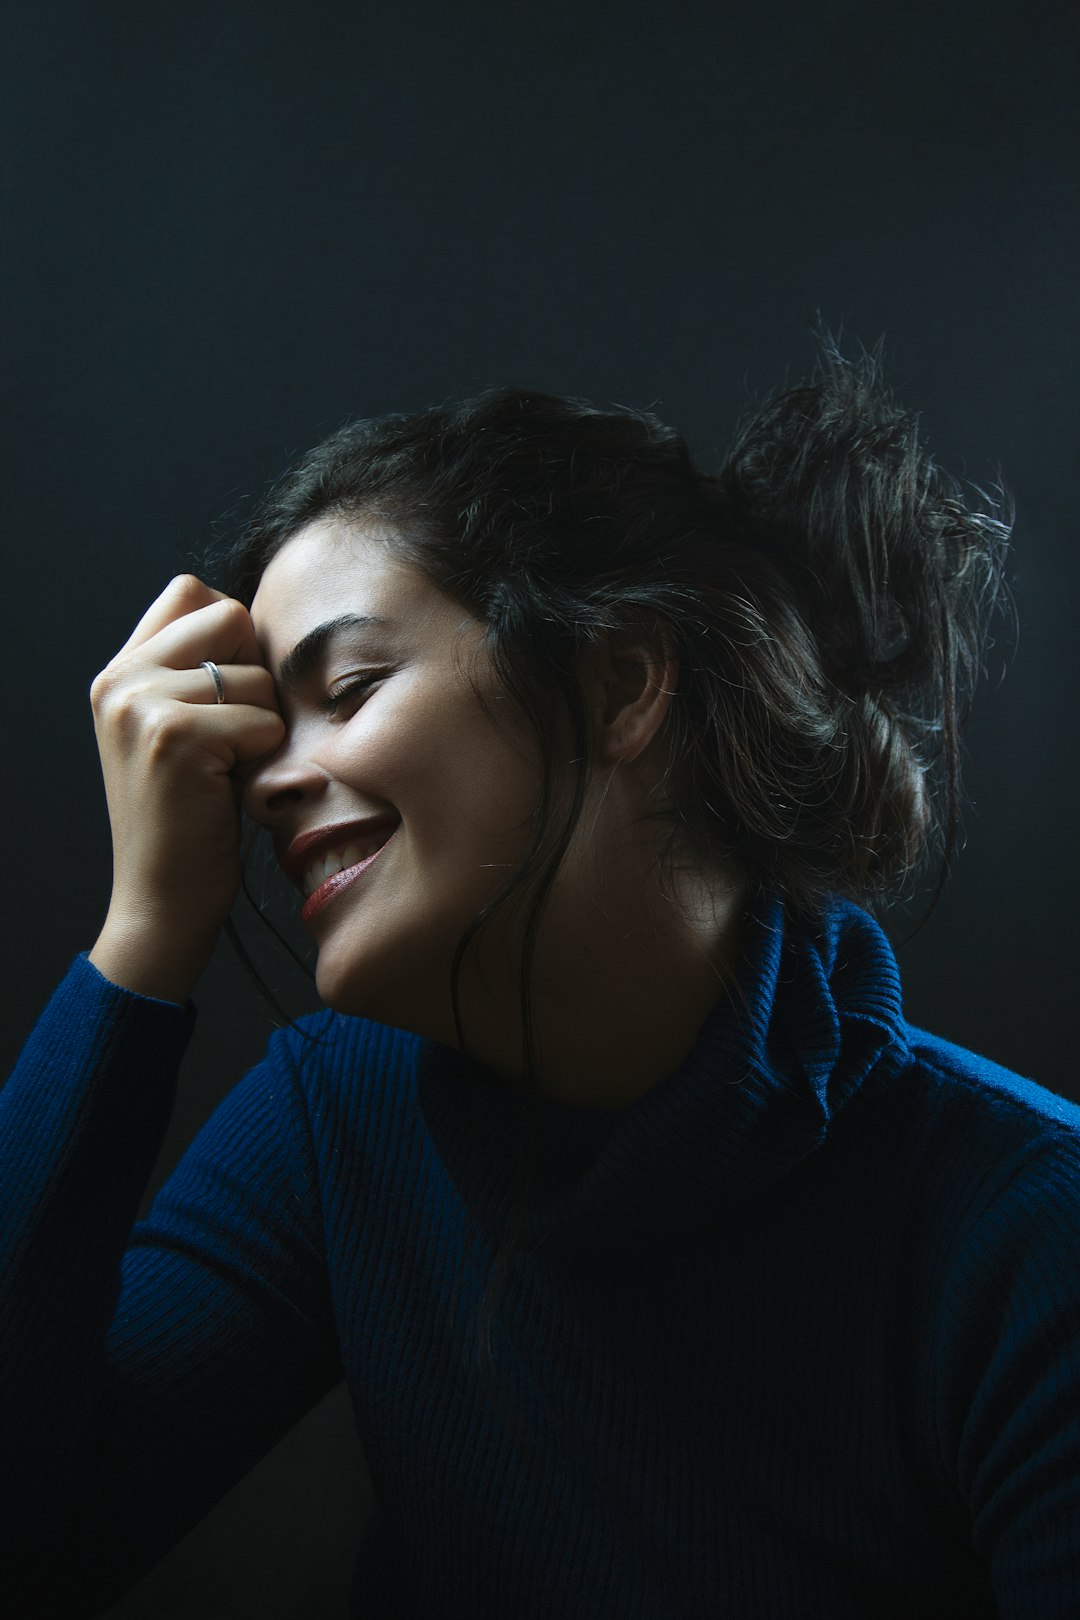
(231,225)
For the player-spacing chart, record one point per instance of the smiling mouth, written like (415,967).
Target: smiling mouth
(345,865)
(340,860)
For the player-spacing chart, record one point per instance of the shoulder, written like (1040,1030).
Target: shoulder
(1000,1232)
(983,1085)
(946,1136)
(982,1169)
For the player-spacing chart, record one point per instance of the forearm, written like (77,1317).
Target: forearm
(82,1118)
(143,1368)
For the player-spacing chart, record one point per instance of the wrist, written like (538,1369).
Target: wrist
(151,958)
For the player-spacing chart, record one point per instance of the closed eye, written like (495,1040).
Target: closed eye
(339,698)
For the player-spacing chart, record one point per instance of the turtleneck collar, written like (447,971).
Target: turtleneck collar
(811,1009)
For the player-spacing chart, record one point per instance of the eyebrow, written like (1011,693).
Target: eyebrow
(298,664)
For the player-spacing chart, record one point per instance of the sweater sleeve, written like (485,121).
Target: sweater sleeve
(1010,1384)
(144,1368)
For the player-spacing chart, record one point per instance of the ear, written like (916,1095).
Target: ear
(630,686)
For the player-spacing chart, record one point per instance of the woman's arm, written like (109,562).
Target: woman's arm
(143,1372)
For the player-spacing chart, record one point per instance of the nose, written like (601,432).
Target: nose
(273,786)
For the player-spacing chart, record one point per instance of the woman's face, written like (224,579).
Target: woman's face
(413,748)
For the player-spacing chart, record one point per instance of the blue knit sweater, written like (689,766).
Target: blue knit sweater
(796,1335)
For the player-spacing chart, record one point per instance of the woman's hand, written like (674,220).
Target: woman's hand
(168,748)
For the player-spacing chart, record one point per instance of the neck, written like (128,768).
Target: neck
(620,992)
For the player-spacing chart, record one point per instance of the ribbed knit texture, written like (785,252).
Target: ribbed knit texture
(796,1335)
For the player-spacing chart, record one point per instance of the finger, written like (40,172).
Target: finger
(221,630)
(129,692)
(242,683)
(181,595)
(241,731)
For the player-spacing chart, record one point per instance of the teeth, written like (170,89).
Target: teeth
(327,865)
(337,860)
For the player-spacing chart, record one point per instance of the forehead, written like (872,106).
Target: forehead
(334,567)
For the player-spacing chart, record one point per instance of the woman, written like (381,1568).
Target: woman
(671,1271)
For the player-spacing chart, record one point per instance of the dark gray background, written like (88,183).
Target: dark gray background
(230,226)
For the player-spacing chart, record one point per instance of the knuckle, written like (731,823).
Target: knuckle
(233,614)
(133,715)
(100,688)
(110,690)
(162,727)
(187,587)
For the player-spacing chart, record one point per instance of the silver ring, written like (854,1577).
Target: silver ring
(215,675)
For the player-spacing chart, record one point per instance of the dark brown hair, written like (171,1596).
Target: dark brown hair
(828,590)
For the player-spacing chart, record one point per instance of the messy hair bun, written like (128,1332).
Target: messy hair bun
(868,583)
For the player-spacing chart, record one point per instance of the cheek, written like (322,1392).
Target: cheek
(456,778)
